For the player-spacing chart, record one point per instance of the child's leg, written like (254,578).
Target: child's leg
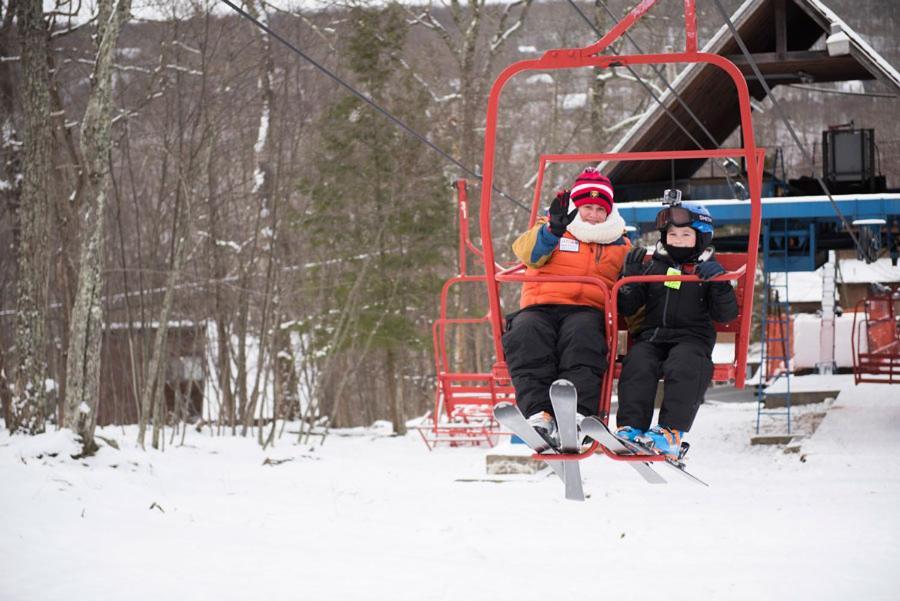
(530,349)
(686,372)
(582,353)
(641,371)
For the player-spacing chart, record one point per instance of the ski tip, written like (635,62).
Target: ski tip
(562,382)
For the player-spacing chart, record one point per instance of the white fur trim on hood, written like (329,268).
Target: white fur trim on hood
(601,233)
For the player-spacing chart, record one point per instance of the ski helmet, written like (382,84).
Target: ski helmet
(691,214)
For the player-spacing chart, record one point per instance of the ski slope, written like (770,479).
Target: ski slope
(370,517)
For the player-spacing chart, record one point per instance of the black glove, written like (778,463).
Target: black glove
(709,269)
(634,261)
(559,220)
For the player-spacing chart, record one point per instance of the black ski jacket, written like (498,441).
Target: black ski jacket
(683,314)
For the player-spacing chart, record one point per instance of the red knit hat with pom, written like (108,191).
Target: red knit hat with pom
(592,187)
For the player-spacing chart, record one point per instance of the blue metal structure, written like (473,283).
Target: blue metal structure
(816,208)
(807,226)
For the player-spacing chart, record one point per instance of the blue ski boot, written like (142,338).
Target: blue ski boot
(628,433)
(665,440)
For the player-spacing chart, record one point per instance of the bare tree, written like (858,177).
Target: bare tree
(29,403)
(474,50)
(474,57)
(263,193)
(83,365)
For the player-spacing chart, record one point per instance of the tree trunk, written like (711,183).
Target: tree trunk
(153,396)
(397,418)
(83,365)
(5,397)
(598,87)
(29,402)
(220,314)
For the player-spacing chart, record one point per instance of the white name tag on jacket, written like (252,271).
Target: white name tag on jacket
(568,245)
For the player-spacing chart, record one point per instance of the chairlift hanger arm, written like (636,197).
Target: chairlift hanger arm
(662,77)
(622,27)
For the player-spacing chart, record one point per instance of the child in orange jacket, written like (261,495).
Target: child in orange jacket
(559,331)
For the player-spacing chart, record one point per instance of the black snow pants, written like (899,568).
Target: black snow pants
(544,343)
(686,369)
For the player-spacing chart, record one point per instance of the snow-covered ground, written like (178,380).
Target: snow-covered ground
(370,517)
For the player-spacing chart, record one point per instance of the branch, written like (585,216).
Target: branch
(72,12)
(72,29)
(427,20)
(504,34)
(316,29)
(145,70)
(418,78)
(623,123)
(616,73)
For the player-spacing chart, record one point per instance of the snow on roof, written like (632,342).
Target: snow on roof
(862,48)
(854,271)
(859,48)
(806,286)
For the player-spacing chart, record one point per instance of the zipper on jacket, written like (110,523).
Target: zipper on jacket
(666,306)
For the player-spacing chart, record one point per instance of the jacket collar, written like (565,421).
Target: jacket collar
(661,254)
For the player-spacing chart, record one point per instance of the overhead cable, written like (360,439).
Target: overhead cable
(368,100)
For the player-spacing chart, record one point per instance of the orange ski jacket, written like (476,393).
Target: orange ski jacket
(545,254)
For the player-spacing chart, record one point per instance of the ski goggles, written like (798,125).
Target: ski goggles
(680,217)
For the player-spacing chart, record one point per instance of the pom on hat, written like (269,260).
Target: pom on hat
(592,187)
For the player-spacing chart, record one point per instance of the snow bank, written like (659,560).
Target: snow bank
(378,517)
(62,444)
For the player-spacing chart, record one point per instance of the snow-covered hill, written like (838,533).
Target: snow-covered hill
(369,517)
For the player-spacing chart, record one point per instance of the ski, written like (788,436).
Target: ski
(600,432)
(640,449)
(564,399)
(679,466)
(512,419)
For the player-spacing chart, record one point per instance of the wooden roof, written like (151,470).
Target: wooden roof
(779,35)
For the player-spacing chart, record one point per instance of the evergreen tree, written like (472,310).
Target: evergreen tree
(381,212)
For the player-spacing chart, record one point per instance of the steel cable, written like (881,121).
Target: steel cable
(396,121)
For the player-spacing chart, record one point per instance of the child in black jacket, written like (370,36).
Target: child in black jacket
(675,338)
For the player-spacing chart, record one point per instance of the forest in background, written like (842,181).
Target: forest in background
(191,169)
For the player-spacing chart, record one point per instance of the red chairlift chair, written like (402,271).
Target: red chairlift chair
(738,265)
(463,401)
(880,363)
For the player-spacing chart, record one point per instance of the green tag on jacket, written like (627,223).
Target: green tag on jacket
(673,271)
